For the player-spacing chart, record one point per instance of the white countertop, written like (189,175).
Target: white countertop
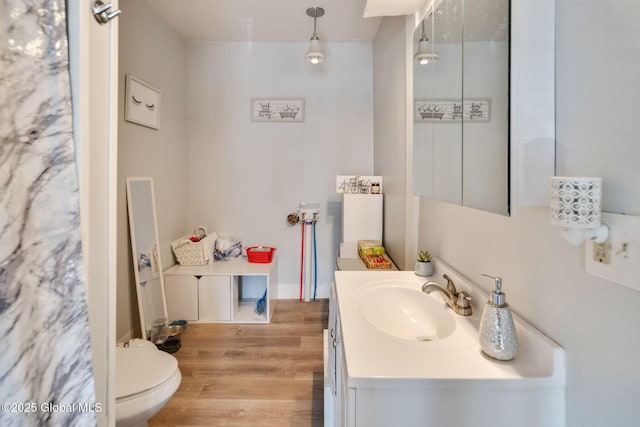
(376,359)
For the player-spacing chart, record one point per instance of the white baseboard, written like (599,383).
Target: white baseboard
(292,291)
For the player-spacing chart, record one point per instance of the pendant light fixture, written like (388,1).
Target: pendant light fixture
(426,54)
(315,55)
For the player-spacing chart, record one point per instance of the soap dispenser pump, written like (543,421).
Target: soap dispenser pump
(498,337)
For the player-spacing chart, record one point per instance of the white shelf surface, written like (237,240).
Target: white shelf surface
(233,267)
(246,312)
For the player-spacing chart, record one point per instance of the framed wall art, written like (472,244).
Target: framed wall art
(142,103)
(452,110)
(358,184)
(277,110)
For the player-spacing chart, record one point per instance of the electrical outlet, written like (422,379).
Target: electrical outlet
(602,252)
(623,247)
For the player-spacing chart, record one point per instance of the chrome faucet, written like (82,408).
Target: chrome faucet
(459,302)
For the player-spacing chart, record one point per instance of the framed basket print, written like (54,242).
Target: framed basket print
(277,110)
(476,110)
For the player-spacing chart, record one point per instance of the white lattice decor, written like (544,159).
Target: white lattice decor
(576,206)
(576,201)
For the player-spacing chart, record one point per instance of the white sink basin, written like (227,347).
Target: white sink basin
(406,313)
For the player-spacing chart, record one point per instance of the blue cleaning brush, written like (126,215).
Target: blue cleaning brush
(262,302)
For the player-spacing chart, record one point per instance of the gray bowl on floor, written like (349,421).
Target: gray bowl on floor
(175,331)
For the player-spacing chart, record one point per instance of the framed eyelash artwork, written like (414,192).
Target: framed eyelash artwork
(142,103)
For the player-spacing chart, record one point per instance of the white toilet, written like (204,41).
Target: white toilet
(146,378)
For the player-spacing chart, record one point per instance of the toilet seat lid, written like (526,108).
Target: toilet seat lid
(139,369)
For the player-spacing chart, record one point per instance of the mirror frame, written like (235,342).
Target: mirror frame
(531,103)
(533,111)
(132,232)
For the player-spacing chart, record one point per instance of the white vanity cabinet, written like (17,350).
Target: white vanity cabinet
(339,401)
(331,350)
(221,291)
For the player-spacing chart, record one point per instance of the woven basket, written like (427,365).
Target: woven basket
(194,253)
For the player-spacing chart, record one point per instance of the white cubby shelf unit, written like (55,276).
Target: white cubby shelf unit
(221,291)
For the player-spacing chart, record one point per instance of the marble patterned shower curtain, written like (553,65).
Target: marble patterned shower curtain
(46,376)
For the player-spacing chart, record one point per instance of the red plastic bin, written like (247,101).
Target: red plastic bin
(260,254)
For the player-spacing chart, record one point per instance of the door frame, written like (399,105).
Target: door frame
(93,64)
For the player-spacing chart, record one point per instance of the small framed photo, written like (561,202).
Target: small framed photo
(142,103)
(277,110)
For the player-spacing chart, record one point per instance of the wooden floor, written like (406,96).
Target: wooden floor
(252,375)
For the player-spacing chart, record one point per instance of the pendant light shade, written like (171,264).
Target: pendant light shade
(315,55)
(424,55)
(425,52)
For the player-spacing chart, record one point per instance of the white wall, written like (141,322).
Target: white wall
(245,177)
(598,96)
(389,82)
(156,54)
(593,319)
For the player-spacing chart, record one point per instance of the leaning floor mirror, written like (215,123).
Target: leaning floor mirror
(147,266)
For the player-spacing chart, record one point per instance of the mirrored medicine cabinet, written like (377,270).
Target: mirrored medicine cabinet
(469,132)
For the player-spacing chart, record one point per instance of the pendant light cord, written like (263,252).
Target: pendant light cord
(433,29)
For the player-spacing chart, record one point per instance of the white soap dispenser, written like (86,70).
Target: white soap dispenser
(498,337)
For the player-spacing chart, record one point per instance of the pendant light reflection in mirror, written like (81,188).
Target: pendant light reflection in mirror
(426,51)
